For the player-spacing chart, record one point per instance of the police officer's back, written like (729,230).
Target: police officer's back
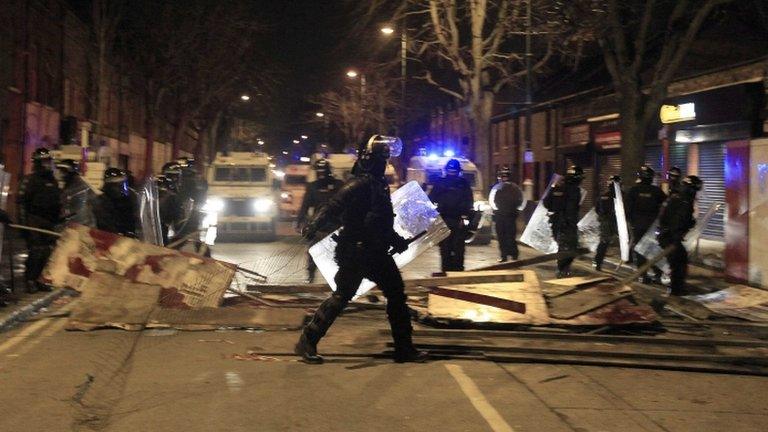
(453,196)
(506,200)
(675,220)
(39,205)
(643,202)
(116,208)
(563,203)
(674,176)
(606,215)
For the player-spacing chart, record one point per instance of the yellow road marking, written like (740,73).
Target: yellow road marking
(31,329)
(57,325)
(475,396)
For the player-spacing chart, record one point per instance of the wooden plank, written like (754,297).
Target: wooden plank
(512,265)
(479,298)
(572,305)
(463,279)
(566,285)
(236,317)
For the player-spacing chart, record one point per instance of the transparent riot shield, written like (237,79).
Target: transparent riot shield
(149,213)
(414,214)
(78,202)
(537,233)
(5,188)
(649,247)
(589,230)
(621,222)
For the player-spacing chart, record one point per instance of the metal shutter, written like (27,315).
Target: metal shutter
(610,165)
(712,172)
(678,156)
(653,157)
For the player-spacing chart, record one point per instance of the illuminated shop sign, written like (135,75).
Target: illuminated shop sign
(677,113)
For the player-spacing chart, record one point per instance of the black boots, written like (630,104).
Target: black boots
(307,350)
(409,355)
(324,316)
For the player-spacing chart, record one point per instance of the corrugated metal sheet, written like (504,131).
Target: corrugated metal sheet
(678,156)
(712,172)
(653,158)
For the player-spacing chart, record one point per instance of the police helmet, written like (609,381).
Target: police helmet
(187,163)
(69,166)
(614,178)
(171,168)
(692,183)
(322,168)
(646,173)
(373,155)
(41,154)
(115,183)
(453,167)
(674,173)
(574,173)
(165,183)
(504,172)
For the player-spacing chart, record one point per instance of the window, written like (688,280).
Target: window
(221,174)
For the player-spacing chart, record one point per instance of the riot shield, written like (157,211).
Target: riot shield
(414,214)
(538,233)
(589,230)
(621,222)
(649,247)
(149,213)
(5,187)
(78,200)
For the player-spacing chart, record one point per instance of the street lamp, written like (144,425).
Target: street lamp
(260,142)
(296,141)
(388,30)
(352,73)
(304,136)
(319,114)
(245,97)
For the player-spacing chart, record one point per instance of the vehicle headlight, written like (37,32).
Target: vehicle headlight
(263,205)
(213,205)
(286,196)
(482,206)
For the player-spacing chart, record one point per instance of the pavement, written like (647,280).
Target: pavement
(164,380)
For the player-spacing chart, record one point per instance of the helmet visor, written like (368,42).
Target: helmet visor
(394,144)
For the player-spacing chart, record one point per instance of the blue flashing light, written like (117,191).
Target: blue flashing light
(449,153)
(433,156)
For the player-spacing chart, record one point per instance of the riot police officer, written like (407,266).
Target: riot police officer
(364,208)
(39,203)
(673,178)
(167,204)
(453,196)
(606,215)
(183,212)
(642,205)
(506,200)
(78,197)
(675,220)
(116,207)
(563,204)
(316,196)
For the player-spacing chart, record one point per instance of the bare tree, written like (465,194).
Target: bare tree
(482,44)
(362,109)
(644,42)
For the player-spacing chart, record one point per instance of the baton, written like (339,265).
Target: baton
(413,239)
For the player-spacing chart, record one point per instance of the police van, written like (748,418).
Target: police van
(242,196)
(427,169)
(293,185)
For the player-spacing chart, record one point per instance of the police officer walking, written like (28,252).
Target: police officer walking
(606,215)
(77,194)
(675,220)
(364,208)
(116,207)
(506,200)
(39,202)
(643,203)
(453,196)
(563,204)
(316,196)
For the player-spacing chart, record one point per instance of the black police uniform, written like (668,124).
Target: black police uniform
(168,209)
(364,209)
(675,220)
(563,203)
(40,206)
(116,215)
(453,196)
(505,202)
(606,215)
(642,206)
(316,196)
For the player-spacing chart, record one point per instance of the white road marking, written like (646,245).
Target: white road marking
(475,396)
(22,335)
(57,326)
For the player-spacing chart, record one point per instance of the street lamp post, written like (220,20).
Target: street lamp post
(387,31)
